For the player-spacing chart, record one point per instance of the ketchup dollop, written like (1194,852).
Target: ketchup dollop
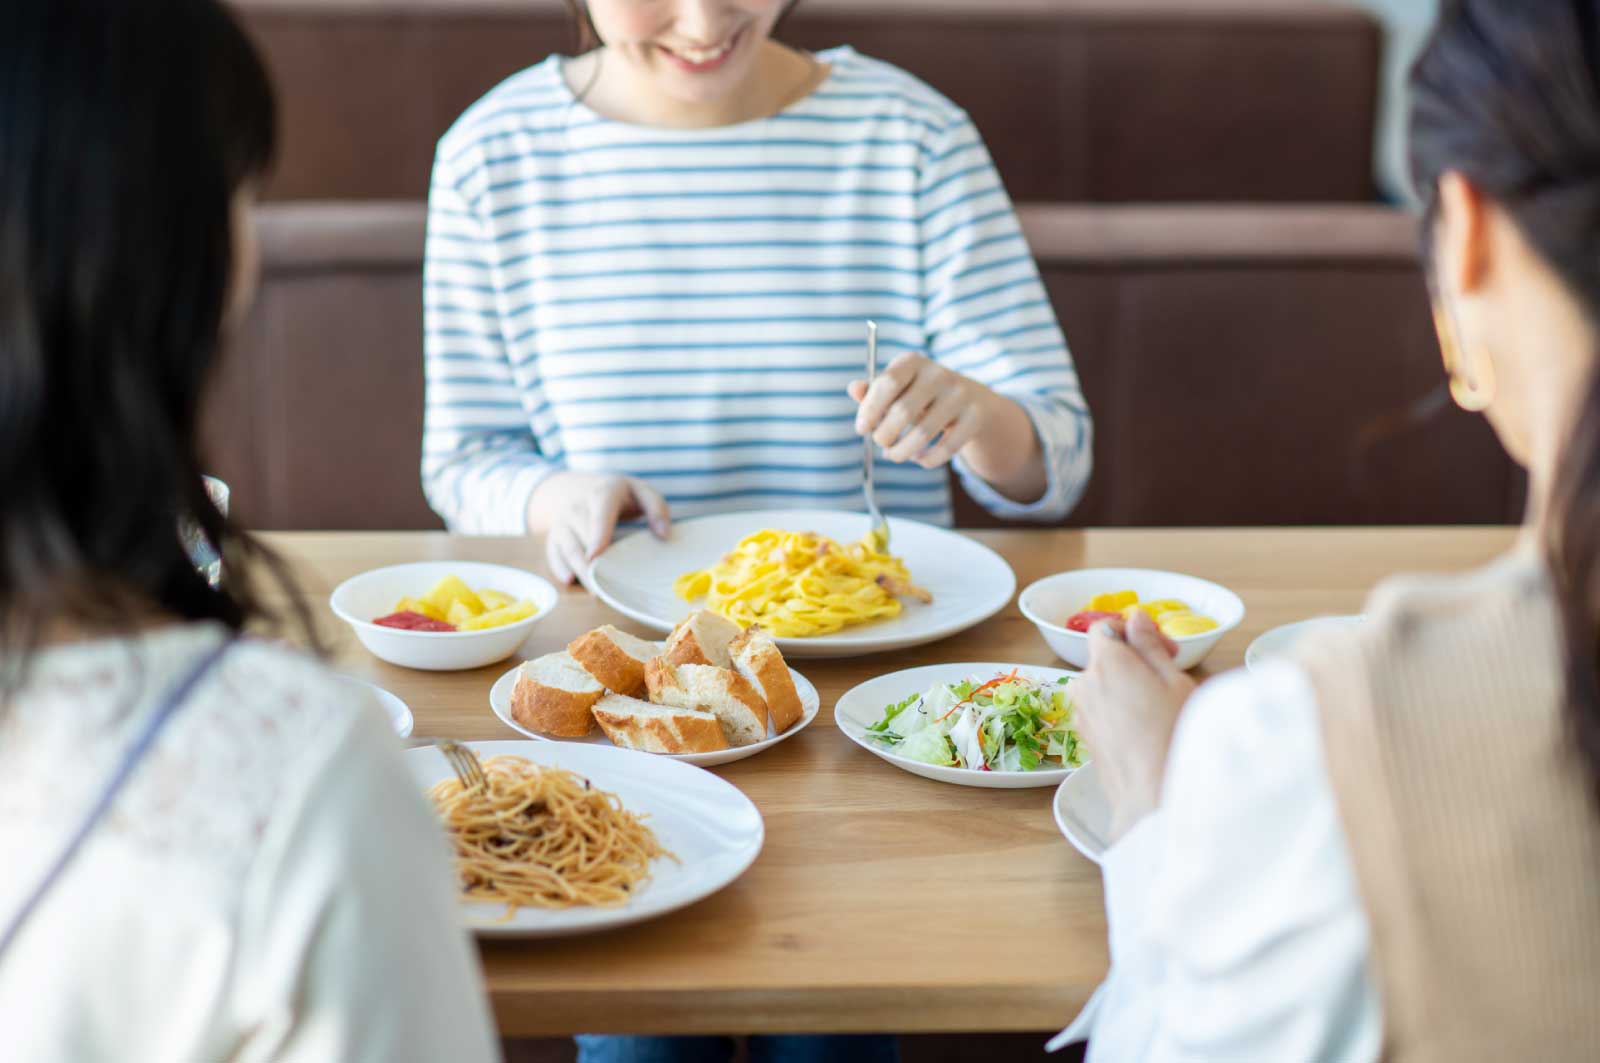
(409,621)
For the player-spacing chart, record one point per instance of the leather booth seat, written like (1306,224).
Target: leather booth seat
(1079,100)
(1245,366)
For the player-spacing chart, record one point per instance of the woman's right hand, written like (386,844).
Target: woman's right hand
(578,512)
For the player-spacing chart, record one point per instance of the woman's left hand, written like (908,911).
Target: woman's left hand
(1126,707)
(920,411)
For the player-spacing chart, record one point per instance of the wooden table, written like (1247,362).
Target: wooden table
(882,901)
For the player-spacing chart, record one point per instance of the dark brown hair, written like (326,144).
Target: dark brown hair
(1508,95)
(116,250)
(585,38)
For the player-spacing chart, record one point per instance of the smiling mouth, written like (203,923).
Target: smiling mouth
(703,59)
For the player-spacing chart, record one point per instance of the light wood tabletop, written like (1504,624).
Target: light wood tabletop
(881,901)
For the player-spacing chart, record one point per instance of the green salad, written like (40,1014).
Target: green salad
(1007,723)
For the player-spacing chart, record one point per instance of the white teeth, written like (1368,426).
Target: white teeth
(700,57)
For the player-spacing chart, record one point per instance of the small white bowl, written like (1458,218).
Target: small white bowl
(1050,601)
(361,599)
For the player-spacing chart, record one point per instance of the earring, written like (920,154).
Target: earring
(1473,390)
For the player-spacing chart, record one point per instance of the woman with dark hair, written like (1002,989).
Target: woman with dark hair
(1391,846)
(211,849)
(649,270)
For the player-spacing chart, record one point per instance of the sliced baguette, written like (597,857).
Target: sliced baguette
(721,691)
(756,657)
(634,724)
(702,638)
(555,696)
(615,658)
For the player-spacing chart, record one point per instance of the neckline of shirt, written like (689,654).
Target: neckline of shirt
(835,59)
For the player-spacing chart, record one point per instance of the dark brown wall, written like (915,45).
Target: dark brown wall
(1079,100)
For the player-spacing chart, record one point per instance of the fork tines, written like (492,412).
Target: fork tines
(464,762)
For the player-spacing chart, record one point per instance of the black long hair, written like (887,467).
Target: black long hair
(1508,95)
(127,127)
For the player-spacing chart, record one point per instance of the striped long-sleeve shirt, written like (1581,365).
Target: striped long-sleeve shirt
(687,306)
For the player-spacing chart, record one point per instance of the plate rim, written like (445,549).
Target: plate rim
(1253,658)
(1023,780)
(1085,779)
(606,918)
(715,758)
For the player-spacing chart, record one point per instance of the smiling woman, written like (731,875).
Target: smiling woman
(649,269)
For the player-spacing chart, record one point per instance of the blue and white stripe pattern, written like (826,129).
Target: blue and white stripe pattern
(687,306)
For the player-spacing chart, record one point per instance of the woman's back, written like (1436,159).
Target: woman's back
(269,885)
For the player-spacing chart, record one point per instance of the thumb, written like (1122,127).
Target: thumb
(857,390)
(653,505)
(1150,644)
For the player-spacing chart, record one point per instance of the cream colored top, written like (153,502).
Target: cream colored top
(269,886)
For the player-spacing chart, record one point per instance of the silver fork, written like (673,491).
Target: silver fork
(880,526)
(464,762)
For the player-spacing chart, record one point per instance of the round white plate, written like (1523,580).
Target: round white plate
(1277,643)
(968,581)
(500,702)
(863,706)
(712,828)
(1082,812)
(399,712)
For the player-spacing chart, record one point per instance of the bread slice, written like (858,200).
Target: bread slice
(702,638)
(555,696)
(634,724)
(721,691)
(756,657)
(615,658)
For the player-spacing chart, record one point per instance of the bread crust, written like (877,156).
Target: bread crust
(702,637)
(612,666)
(550,709)
(672,732)
(732,698)
(757,658)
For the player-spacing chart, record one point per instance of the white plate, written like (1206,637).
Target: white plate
(711,827)
(1083,814)
(399,712)
(863,706)
(500,702)
(968,581)
(1278,642)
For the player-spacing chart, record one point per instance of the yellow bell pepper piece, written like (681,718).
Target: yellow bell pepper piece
(507,614)
(1114,602)
(417,605)
(1179,625)
(451,590)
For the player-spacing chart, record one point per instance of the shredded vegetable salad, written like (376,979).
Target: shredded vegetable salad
(1008,723)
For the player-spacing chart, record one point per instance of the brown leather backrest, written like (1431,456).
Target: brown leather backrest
(1244,366)
(1079,100)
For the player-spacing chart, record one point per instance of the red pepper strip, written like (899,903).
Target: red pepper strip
(999,680)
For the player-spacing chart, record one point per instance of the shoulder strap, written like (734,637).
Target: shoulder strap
(173,701)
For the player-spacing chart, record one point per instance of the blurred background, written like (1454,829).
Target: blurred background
(1214,190)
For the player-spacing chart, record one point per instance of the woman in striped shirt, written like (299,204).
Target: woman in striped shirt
(648,272)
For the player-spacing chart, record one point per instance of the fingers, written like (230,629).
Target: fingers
(943,409)
(1155,649)
(957,436)
(601,518)
(653,505)
(564,553)
(877,400)
(857,390)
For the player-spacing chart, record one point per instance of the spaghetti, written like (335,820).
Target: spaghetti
(541,837)
(796,584)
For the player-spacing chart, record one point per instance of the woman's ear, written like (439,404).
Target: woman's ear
(1462,240)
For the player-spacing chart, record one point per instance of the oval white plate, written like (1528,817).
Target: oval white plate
(1083,813)
(969,582)
(711,827)
(862,706)
(1277,642)
(500,702)
(399,712)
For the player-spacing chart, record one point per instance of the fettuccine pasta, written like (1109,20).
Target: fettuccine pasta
(796,584)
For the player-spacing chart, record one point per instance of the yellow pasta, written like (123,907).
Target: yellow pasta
(796,584)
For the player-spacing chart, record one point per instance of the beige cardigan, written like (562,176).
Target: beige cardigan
(1475,839)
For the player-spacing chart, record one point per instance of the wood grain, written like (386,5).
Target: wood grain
(882,901)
